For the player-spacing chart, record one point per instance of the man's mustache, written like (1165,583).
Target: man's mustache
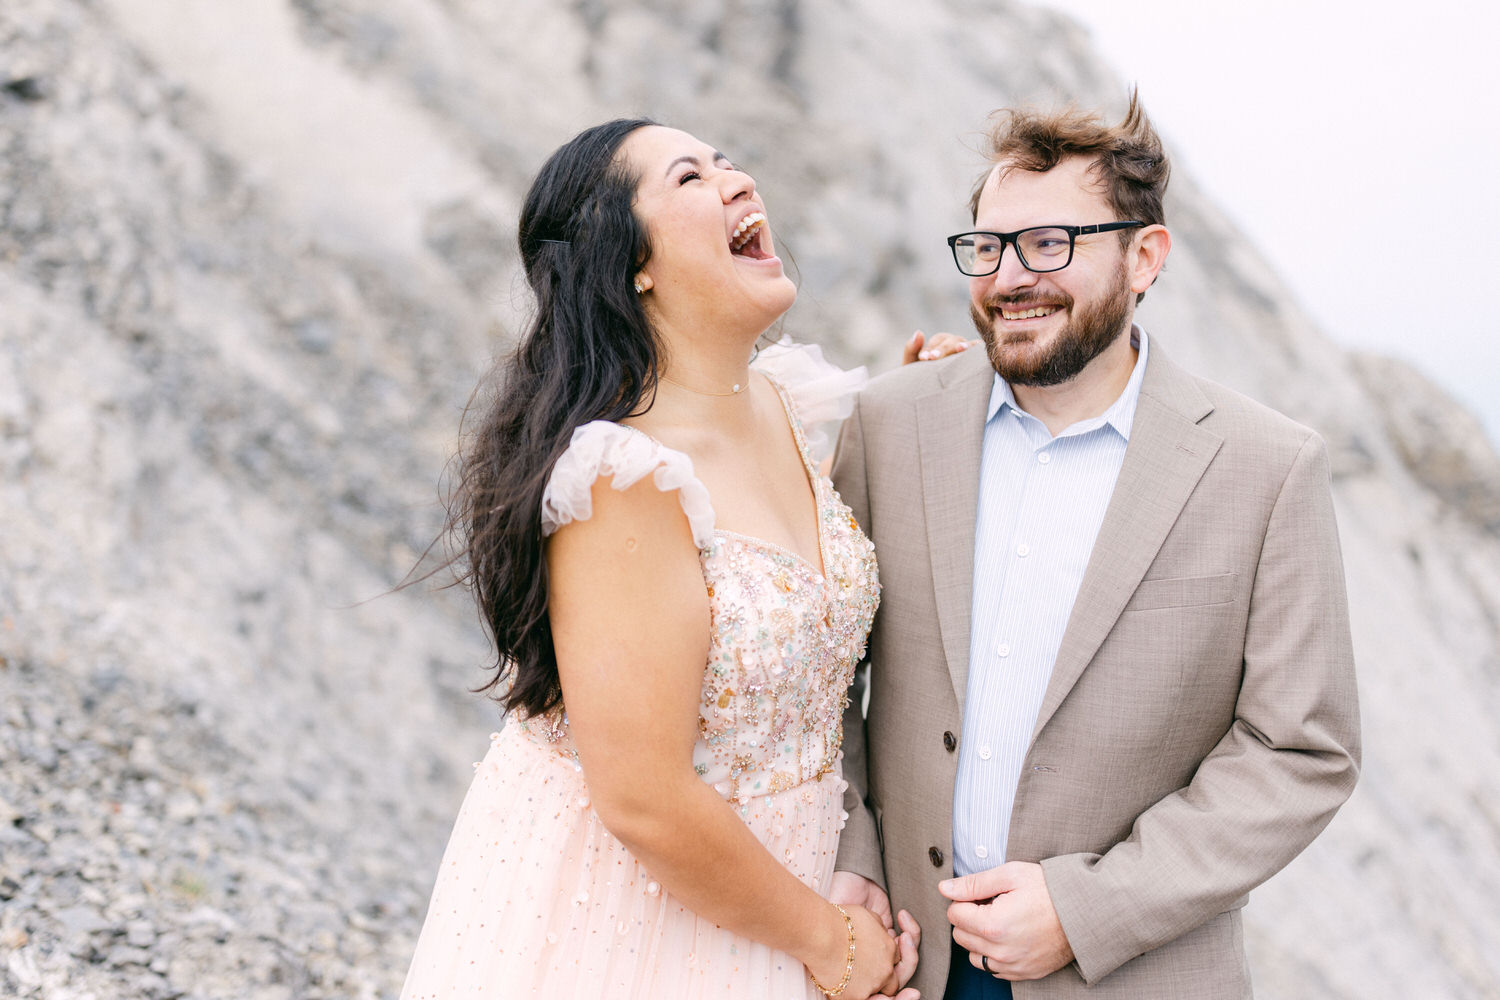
(1030,300)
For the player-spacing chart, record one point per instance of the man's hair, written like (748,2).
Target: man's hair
(1128,157)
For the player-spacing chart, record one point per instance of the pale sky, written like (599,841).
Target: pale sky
(1334,133)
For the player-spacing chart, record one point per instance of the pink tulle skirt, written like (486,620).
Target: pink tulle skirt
(535,898)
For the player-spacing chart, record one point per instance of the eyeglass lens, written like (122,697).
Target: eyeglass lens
(1043,249)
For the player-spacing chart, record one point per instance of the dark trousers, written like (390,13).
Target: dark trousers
(968,983)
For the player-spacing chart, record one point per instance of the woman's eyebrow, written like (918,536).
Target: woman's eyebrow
(694,161)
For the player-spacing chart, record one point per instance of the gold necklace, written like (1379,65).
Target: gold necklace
(736,390)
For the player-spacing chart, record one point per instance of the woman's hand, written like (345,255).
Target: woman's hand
(849,888)
(876,954)
(910,936)
(940,345)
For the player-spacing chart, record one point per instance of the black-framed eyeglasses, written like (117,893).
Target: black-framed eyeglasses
(1039,249)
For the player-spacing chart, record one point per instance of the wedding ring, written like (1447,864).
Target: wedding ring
(984,960)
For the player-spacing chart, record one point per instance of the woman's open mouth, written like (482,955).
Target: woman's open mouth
(748,238)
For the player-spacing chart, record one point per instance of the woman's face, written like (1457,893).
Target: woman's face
(713,266)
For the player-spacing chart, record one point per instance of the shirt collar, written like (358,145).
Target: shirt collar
(1121,413)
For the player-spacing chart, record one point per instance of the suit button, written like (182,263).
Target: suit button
(949,743)
(935,856)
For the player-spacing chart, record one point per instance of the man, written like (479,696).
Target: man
(1111,686)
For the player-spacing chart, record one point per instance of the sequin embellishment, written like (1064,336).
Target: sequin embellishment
(785,642)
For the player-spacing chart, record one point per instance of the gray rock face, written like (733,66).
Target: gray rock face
(1441,444)
(253,259)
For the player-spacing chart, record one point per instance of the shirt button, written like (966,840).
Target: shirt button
(949,743)
(1003,649)
(935,856)
(981,852)
(1023,550)
(1044,457)
(984,753)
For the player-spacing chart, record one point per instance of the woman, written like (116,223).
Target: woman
(678,600)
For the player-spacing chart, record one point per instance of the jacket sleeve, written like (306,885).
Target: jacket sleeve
(1270,785)
(859,843)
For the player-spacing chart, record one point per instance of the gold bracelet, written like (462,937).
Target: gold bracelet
(848,963)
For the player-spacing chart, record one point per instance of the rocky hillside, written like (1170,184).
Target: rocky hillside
(254,256)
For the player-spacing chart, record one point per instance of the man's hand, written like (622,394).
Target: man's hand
(1005,914)
(856,890)
(923,348)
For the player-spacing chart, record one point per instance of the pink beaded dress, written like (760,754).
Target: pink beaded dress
(534,897)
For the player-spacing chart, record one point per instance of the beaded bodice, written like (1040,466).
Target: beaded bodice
(785,637)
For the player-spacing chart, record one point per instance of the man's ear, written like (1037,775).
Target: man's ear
(1148,254)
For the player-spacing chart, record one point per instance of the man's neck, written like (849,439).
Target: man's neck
(1085,395)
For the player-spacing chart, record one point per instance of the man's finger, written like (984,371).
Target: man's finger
(973,918)
(978,886)
(967,939)
(906,959)
(910,926)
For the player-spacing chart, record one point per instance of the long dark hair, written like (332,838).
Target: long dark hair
(589,354)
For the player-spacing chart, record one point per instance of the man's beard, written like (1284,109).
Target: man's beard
(1087,334)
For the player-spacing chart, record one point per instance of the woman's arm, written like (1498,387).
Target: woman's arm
(630,623)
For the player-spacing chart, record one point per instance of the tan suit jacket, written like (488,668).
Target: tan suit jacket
(1200,726)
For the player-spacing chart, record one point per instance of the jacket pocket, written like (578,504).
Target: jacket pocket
(1182,592)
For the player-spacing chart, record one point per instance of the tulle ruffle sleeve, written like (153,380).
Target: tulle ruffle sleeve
(602,448)
(821,391)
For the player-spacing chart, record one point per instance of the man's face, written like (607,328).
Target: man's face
(1043,329)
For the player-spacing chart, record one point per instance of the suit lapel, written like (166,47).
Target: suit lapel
(950,440)
(1167,455)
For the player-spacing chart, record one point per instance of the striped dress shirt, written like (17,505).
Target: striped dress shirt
(1041,502)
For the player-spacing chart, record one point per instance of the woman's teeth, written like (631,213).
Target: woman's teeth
(746,230)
